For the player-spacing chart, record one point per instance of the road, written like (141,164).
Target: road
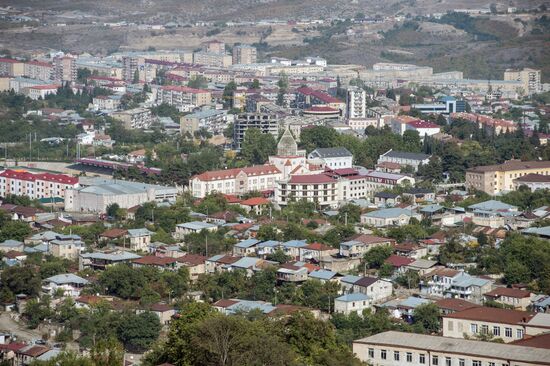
(20,331)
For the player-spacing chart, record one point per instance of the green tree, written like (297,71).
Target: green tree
(107,352)
(375,257)
(36,311)
(21,280)
(257,146)
(197,82)
(279,256)
(14,230)
(427,315)
(228,94)
(255,84)
(138,332)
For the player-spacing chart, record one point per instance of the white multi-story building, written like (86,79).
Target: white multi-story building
(244,54)
(356,103)
(332,157)
(423,128)
(235,181)
(456,284)
(35,186)
(135,118)
(404,158)
(36,92)
(106,102)
(530,78)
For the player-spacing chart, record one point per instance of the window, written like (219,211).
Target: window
(491,364)
(496,331)
(484,329)
(473,328)
(476,363)
(519,333)
(422,359)
(396,355)
(435,360)
(448,361)
(450,325)
(461,362)
(371,352)
(508,332)
(383,354)
(409,357)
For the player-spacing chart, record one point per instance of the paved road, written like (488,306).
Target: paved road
(20,331)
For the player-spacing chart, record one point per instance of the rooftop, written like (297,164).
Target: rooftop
(490,350)
(493,315)
(511,165)
(406,155)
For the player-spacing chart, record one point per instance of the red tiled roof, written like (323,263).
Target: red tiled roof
(191,259)
(255,201)
(49,177)
(232,173)
(319,108)
(455,304)
(318,246)
(12,254)
(14,346)
(370,239)
(44,87)
(39,63)
(9,60)
(509,292)
(324,97)
(398,261)
(154,260)
(34,351)
(224,303)
(114,233)
(231,198)
(161,307)
(495,315)
(365,281)
(423,124)
(537,341)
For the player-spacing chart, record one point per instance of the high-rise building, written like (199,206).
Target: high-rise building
(64,68)
(265,122)
(244,54)
(530,79)
(129,68)
(214,47)
(356,103)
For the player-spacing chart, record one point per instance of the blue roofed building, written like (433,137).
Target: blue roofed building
(139,239)
(193,227)
(324,275)
(349,303)
(389,217)
(292,247)
(267,247)
(245,247)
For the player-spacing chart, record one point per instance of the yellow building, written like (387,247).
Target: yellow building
(494,179)
(530,79)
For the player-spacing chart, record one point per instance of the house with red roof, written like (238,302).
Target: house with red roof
(516,298)
(255,204)
(162,263)
(424,128)
(398,262)
(195,263)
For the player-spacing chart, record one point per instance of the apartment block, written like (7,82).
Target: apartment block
(530,78)
(212,119)
(244,54)
(11,67)
(185,99)
(134,118)
(35,186)
(38,70)
(212,59)
(64,68)
(494,179)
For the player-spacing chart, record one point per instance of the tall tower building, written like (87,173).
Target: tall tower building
(356,103)
(64,68)
(244,54)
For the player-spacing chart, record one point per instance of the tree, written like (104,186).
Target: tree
(516,272)
(107,352)
(349,213)
(257,146)
(138,332)
(279,256)
(283,86)
(375,257)
(113,210)
(197,82)
(14,230)
(255,84)
(21,280)
(228,91)
(123,281)
(268,232)
(36,311)
(318,137)
(427,315)
(386,270)
(135,78)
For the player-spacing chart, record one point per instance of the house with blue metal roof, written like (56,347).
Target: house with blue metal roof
(139,239)
(193,227)
(324,275)
(292,247)
(69,283)
(10,244)
(404,308)
(389,217)
(268,247)
(349,303)
(245,247)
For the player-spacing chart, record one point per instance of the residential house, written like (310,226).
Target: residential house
(410,250)
(492,213)
(324,275)
(347,282)
(516,298)
(100,260)
(113,234)
(349,303)
(161,263)
(404,158)
(389,217)
(248,264)
(27,355)
(541,304)
(404,308)
(376,288)
(139,239)
(193,227)
(219,262)
(66,246)
(70,284)
(399,263)
(315,252)
(291,273)
(422,266)
(195,264)
(267,247)
(386,199)
(419,195)
(292,247)
(256,205)
(362,243)
(509,325)
(445,282)
(11,245)
(164,312)
(245,247)
(332,157)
